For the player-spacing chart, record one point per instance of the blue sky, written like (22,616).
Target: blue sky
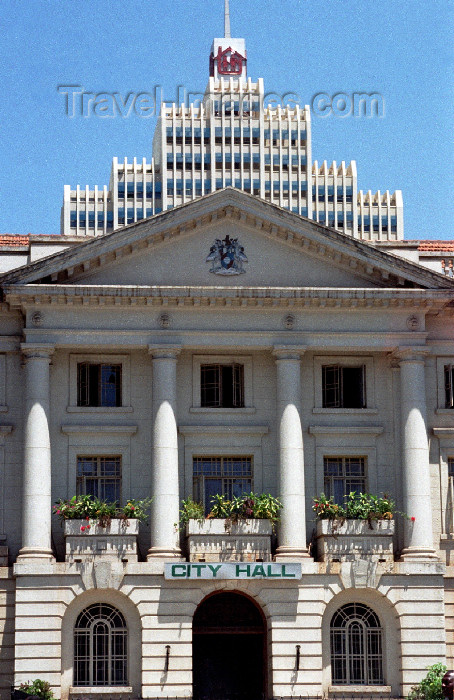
(401,50)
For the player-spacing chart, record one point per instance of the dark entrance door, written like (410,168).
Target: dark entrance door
(228,649)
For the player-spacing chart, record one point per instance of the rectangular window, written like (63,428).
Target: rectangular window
(230,476)
(451,466)
(99,477)
(98,384)
(449,386)
(343,475)
(344,387)
(222,386)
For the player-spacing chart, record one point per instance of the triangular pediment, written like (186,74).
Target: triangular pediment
(248,242)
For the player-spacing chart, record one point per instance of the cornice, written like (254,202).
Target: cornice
(25,295)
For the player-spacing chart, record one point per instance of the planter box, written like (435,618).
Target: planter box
(116,542)
(221,540)
(354,539)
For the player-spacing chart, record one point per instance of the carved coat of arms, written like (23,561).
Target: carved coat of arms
(227,257)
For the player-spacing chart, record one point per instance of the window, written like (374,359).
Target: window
(98,384)
(99,477)
(222,386)
(342,475)
(100,647)
(344,386)
(449,386)
(356,646)
(451,466)
(230,476)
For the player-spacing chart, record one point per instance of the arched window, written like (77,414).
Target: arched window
(356,646)
(100,647)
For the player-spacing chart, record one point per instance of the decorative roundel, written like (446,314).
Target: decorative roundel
(413,323)
(37,318)
(164,321)
(288,322)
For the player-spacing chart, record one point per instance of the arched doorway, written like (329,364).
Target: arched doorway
(229,649)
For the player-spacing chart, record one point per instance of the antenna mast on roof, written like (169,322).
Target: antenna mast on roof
(227,19)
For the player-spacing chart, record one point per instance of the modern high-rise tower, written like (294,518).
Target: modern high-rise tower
(232,138)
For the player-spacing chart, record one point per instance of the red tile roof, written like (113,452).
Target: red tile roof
(14,239)
(436,246)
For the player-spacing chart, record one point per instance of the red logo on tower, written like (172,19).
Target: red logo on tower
(230,62)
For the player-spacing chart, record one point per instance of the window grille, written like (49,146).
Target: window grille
(356,646)
(449,386)
(230,476)
(98,384)
(99,477)
(344,387)
(222,386)
(100,647)
(342,475)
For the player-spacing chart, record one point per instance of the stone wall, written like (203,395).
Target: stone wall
(7,585)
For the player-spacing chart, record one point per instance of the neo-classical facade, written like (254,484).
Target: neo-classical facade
(228,287)
(260,331)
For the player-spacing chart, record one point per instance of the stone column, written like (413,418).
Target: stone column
(164,480)
(418,536)
(36,504)
(292,528)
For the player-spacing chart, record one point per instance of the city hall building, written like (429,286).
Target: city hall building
(231,342)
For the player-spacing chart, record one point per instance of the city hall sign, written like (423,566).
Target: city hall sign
(232,570)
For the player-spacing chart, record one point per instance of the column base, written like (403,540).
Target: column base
(165,553)
(292,554)
(418,554)
(36,553)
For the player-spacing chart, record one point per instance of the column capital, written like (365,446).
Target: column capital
(288,352)
(168,351)
(38,350)
(410,353)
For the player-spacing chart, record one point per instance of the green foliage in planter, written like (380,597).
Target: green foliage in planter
(359,506)
(90,508)
(190,510)
(39,688)
(430,686)
(251,505)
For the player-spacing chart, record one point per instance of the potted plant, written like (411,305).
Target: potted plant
(234,530)
(94,527)
(362,527)
(35,689)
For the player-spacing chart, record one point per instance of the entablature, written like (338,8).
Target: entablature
(208,340)
(25,296)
